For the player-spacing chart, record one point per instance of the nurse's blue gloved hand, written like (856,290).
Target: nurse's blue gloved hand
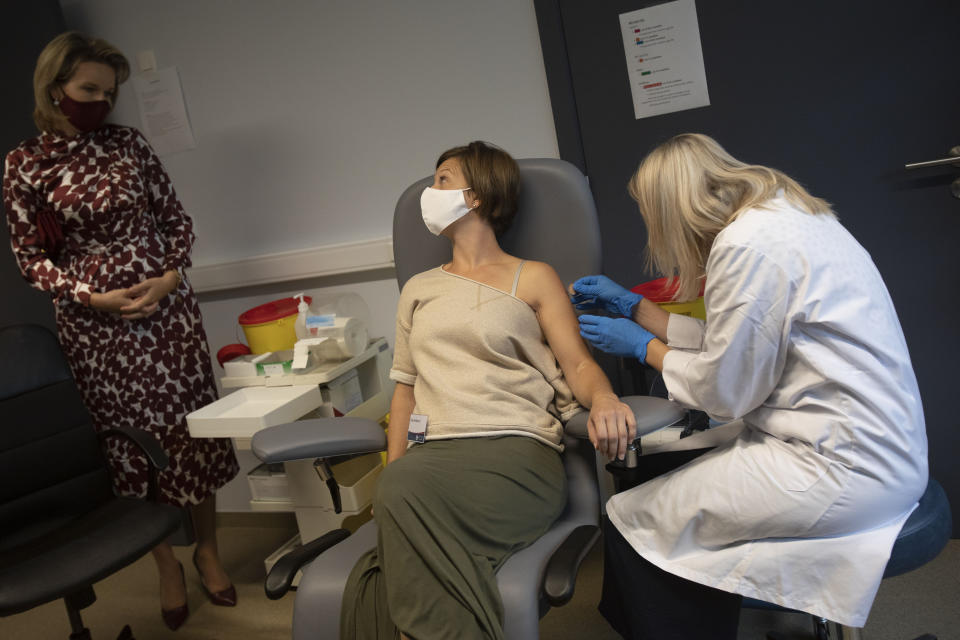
(618,336)
(600,292)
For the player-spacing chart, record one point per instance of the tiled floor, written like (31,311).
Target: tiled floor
(925,601)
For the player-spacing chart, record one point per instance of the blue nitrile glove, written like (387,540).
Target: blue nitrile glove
(600,292)
(618,336)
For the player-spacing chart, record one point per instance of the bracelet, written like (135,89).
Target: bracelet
(179,278)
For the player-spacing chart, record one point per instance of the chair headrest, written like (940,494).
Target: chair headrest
(31,358)
(556,223)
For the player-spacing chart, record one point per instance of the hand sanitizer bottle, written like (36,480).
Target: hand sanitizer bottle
(300,325)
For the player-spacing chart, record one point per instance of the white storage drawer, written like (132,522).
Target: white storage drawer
(268,482)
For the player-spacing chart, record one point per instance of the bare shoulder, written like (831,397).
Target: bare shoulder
(539,270)
(539,284)
(540,274)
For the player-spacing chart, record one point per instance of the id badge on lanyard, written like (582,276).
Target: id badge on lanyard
(417,431)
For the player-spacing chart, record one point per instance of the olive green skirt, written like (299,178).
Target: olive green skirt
(449,514)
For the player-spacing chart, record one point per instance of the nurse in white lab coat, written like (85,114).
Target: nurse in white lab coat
(825,455)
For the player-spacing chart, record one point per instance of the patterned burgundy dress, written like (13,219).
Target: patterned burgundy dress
(97,212)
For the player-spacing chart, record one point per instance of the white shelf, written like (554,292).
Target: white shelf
(246,411)
(322,373)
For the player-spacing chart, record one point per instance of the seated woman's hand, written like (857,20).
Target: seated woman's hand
(611,425)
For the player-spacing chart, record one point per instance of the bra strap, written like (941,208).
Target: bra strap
(516,279)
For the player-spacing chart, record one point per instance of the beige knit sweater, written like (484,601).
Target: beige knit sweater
(478,361)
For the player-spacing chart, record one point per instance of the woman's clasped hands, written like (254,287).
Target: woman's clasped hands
(138,301)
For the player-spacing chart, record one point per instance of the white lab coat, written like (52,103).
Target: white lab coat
(802,344)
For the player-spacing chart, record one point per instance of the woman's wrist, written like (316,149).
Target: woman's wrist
(656,352)
(651,317)
(629,303)
(173,279)
(642,311)
(600,396)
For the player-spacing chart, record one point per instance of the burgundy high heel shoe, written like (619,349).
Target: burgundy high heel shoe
(223,598)
(174,618)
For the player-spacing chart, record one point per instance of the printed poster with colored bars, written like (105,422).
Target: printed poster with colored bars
(664,58)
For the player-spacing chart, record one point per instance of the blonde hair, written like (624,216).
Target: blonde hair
(56,65)
(688,189)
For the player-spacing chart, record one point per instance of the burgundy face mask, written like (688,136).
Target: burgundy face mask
(85,116)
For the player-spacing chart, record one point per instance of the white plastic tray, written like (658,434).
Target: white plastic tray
(246,411)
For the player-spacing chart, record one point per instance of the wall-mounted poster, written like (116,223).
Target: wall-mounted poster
(664,58)
(163,111)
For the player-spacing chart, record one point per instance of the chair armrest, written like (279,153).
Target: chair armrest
(281,575)
(560,577)
(651,414)
(149,445)
(318,438)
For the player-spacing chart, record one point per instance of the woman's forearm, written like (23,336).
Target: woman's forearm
(611,424)
(401,407)
(588,381)
(651,317)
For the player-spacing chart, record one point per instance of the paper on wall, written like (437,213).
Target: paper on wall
(163,113)
(664,58)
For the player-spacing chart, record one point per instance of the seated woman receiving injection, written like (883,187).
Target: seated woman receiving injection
(488,360)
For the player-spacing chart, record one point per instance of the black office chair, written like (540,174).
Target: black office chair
(63,528)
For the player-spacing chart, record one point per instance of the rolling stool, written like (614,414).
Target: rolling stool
(923,536)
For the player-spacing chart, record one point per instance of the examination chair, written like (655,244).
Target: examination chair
(557,224)
(63,528)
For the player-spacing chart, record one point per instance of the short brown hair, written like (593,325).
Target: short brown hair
(494,177)
(57,63)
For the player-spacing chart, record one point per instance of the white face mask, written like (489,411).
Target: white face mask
(442,207)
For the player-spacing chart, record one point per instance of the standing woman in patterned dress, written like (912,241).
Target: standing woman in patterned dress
(94,220)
